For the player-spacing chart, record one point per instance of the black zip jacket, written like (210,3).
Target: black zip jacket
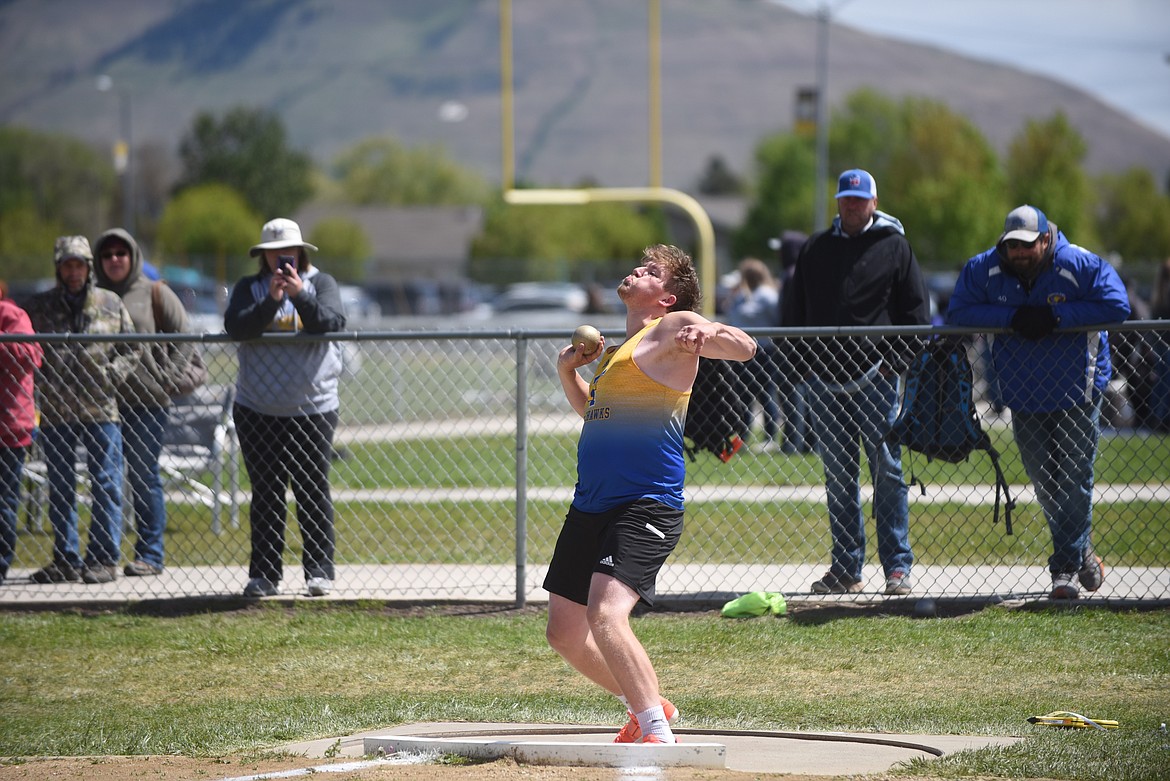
(870,279)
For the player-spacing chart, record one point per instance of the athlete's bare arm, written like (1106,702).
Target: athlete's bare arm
(576,388)
(670,353)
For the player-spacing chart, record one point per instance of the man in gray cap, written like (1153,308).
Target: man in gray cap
(79,405)
(1038,284)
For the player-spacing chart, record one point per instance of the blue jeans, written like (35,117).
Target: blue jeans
(142,434)
(798,437)
(11,465)
(1058,450)
(843,422)
(103,449)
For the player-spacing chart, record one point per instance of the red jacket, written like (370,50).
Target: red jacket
(18,362)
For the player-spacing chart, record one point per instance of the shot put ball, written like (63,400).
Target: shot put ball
(587,337)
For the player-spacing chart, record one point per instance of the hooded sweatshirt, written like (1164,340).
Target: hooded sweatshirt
(287,378)
(871,279)
(144,388)
(78,381)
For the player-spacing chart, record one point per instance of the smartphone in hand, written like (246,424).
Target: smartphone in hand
(286,263)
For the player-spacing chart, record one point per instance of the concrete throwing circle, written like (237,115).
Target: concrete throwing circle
(819,753)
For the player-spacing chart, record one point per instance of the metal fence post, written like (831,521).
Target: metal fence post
(521,469)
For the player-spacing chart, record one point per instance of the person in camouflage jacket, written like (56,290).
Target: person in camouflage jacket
(79,405)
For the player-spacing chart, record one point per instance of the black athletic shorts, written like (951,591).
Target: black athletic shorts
(629,543)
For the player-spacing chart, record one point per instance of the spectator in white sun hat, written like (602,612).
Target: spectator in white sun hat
(287,404)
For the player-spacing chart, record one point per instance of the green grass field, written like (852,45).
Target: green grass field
(242,681)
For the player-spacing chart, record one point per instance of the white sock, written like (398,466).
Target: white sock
(625,702)
(653,722)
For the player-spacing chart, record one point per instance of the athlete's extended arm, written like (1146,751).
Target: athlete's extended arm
(670,353)
(715,340)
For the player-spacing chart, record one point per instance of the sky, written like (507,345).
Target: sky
(1115,50)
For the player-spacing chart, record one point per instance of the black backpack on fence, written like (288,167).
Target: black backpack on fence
(716,415)
(938,417)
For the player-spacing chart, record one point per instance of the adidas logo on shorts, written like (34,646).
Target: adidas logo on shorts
(606,562)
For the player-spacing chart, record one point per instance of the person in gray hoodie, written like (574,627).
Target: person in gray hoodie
(286,408)
(143,399)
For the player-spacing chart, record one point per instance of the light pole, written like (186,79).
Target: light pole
(654,12)
(123,151)
(824,16)
(507,132)
(820,212)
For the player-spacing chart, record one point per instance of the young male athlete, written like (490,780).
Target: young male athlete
(627,510)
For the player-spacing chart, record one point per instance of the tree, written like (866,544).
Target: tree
(865,133)
(785,191)
(1134,218)
(547,243)
(935,172)
(247,151)
(26,244)
(945,185)
(1044,168)
(212,226)
(344,246)
(381,171)
(56,179)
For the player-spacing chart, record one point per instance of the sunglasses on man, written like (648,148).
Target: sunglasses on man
(1020,243)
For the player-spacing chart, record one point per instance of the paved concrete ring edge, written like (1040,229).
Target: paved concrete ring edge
(619,755)
(492,743)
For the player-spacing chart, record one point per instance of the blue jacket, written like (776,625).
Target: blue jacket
(1061,370)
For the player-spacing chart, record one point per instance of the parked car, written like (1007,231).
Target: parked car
(360,308)
(203,297)
(542,295)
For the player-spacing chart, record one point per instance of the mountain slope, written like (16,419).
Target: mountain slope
(341,71)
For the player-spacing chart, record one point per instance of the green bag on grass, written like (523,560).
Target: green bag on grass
(756,603)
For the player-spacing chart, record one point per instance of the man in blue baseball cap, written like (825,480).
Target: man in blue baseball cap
(1053,377)
(859,272)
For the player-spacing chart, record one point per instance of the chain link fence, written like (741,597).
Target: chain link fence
(454,461)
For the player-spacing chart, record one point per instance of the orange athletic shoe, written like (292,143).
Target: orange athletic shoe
(655,739)
(632,731)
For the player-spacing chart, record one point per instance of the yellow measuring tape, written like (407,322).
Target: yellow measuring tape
(1064,718)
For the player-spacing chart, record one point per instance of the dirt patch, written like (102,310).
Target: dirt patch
(172,768)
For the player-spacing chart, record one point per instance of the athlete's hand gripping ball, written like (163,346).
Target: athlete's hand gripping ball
(587,339)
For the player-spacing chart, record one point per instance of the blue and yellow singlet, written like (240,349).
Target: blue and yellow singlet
(631,444)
